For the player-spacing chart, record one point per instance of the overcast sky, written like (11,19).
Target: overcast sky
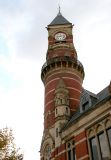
(23,47)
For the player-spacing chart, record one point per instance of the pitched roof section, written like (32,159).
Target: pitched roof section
(102,96)
(59,20)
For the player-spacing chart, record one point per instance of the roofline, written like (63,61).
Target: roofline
(61,24)
(86,112)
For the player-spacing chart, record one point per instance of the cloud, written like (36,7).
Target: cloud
(23,39)
(3,47)
(23,22)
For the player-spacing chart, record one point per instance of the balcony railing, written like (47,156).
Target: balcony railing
(61,59)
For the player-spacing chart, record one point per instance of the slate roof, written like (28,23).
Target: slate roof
(59,20)
(101,97)
(87,99)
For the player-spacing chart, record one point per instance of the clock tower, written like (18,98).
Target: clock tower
(62,75)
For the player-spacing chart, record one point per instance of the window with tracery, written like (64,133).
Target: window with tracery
(71,154)
(99,138)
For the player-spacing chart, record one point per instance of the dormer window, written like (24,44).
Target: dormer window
(85,105)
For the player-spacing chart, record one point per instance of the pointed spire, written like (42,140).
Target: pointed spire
(59,20)
(61,94)
(61,87)
(61,84)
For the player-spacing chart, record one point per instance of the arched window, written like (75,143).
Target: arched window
(100,140)
(56,132)
(47,153)
(66,110)
(71,155)
(56,110)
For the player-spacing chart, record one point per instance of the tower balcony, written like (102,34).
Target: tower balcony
(61,62)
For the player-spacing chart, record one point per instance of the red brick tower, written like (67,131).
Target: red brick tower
(62,75)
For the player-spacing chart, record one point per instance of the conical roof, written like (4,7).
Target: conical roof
(59,20)
(61,87)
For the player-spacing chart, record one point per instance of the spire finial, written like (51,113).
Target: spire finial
(59,8)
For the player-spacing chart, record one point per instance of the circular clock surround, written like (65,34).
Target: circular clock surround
(60,36)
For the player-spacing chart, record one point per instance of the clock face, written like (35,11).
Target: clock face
(60,36)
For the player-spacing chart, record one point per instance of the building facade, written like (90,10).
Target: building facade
(77,122)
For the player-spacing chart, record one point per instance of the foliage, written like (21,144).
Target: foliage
(8,149)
